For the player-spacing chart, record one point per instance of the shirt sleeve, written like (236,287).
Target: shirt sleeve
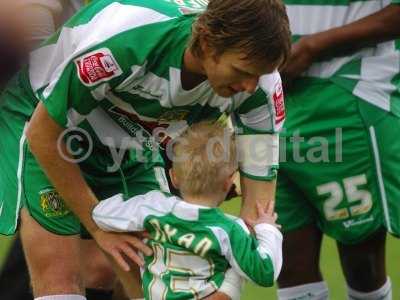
(124,215)
(259,258)
(115,214)
(258,120)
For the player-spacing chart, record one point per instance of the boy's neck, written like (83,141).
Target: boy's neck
(204,200)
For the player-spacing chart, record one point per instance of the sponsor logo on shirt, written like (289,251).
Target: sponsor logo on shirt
(279,103)
(97,66)
(52,204)
(133,123)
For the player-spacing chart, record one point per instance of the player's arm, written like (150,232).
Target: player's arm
(258,259)
(66,101)
(254,191)
(381,26)
(257,123)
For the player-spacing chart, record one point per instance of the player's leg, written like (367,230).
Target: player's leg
(364,268)
(301,249)
(97,273)
(23,183)
(364,263)
(50,236)
(52,261)
(300,275)
(54,269)
(328,158)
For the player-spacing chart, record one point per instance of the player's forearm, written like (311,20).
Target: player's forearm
(378,27)
(254,191)
(42,136)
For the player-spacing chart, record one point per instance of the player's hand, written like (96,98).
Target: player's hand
(218,296)
(120,245)
(265,215)
(303,54)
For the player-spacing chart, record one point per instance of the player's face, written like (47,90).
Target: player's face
(232,72)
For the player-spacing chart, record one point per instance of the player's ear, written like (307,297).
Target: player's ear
(174,180)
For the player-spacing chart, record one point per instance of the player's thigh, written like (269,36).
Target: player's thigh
(53,260)
(363,264)
(302,238)
(329,155)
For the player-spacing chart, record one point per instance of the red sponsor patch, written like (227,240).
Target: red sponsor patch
(279,103)
(97,66)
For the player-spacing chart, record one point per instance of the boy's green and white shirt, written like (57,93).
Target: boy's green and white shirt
(114,70)
(372,73)
(192,245)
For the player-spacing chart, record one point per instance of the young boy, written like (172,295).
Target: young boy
(193,241)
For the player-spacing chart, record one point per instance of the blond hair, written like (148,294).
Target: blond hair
(204,157)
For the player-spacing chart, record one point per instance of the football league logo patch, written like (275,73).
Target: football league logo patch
(52,204)
(97,66)
(279,103)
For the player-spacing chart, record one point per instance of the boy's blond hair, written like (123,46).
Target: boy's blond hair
(204,157)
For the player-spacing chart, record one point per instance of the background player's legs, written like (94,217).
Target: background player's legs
(301,276)
(363,264)
(301,250)
(53,260)
(300,272)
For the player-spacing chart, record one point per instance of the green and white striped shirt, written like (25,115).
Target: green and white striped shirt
(114,70)
(192,245)
(372,73)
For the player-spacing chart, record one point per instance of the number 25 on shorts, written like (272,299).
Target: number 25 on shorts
(350,188)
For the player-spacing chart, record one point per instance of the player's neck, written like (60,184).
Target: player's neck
(192,73)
